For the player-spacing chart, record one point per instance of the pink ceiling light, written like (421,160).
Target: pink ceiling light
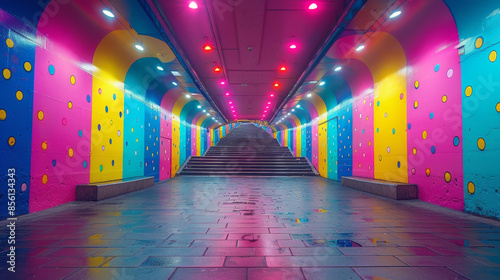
(313,6)
(227,93)
(222,83)
(193,5)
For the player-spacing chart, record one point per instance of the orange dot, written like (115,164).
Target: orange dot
(447,177)
(70,152)
(481,144)
(40,115)
(471,187)
(414,151)
(12,141)
(45,179)
(428,172)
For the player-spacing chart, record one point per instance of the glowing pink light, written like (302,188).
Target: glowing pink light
(313,6)
(222,83)
(293,46)
(193,5)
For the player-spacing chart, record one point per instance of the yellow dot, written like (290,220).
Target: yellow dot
(447,177)
(428,172)
(493,56)
(9,43)
(132,130)
(27,66)
(479,42)
(444,99)
(424,134)
(70,152)
(156,118)
(70,104)
(73,80)
(45,179)
(40,115)
(468,91)
(481,144)
(19,95)
(147,148)
(6,73)
(415,104)
(3,114)
(137,140)
(498,107)
(152,154)
(417,84)
(12,141)
(471,187)
(370,143)
(414,151)
(44,145)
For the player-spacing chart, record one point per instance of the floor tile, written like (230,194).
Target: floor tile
(245,262)
(121,273)
(209,273)
(184,261)
(275,274)
(321,273)
(408,273)
(333,261)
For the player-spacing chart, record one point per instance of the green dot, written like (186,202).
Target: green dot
(101,167)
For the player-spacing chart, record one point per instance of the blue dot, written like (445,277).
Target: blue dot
(377,130)
(399,164)
(433,149)
(409,125)
(393,131)
(436,68)
(112,163)
(99,127)
(80,133)
(431,115)
(84,164)
(54,162)
(378,103)
(52,69)
(114,96)
(126,143)
(120,114)
(106,109)
(88,98)
(110,141)
(363,131)
(456,141)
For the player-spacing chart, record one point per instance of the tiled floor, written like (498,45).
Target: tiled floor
(253,228)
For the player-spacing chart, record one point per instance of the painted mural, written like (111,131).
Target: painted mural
(82,104)
(418,102)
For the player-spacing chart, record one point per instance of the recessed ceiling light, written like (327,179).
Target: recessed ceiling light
(360,48)
(207,48)
(298,106)
(293,46)
(395,14)
(272,95)
(227,93)
(139,47)
(208,114)
(269,102)
(276,85)
(313,82)
(174,83)
(159,68)
(313,6)
(199,106)
(217,69)
(204,111)
(283,69)
(188,96)
(309,94)
(193,5)
(176,73)
(338,69)
(322,83)
(108,13)
(222,83)
(288,114)
(293,110)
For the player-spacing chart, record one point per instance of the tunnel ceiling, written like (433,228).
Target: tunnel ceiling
(250,42)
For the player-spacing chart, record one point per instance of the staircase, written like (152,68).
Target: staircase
(248,151)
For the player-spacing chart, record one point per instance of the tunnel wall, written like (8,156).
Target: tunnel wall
(81,105)
(419,104)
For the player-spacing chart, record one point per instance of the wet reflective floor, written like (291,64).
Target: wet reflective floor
(253,228)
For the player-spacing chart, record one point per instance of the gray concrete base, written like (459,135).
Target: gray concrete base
(394,190)
(99,191)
